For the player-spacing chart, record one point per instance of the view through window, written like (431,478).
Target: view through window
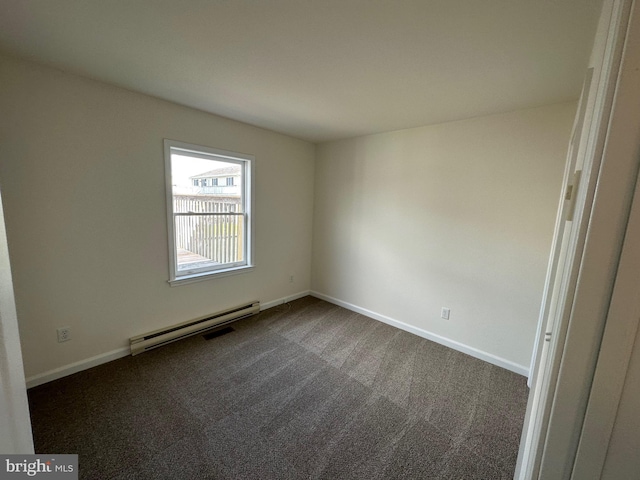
(208,193)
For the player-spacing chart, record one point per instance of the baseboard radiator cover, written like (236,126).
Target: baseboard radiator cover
(158,338)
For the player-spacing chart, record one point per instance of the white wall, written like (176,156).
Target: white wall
(622,459)
(458,215)
(82,175)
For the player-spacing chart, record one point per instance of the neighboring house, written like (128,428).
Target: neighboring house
(219,181)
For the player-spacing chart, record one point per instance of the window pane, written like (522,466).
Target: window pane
(195,180)
(208,241)
(208,213)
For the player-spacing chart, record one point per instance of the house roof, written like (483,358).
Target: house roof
(319,70)
(220,172)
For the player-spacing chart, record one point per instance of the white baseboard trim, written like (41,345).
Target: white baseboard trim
(76,367)
(474,352)
(280,301)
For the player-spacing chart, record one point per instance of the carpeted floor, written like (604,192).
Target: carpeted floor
(307,390)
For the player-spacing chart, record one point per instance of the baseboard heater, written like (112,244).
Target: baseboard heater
(157,338)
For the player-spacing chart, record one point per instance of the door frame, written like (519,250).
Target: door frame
(15,423)
(550,440)
(623,316)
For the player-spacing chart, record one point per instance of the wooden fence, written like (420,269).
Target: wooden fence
(218,237)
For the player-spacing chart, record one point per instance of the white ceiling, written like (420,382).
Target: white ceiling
(318,69)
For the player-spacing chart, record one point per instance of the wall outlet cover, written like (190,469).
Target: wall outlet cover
(64,334)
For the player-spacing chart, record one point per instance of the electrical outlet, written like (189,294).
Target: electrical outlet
(64,334)
(290,278)
(445,313)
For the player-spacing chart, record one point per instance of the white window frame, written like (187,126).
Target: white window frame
(208,153)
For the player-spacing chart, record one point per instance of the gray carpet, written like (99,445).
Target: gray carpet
(305,390)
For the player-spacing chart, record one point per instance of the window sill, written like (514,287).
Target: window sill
(201,277)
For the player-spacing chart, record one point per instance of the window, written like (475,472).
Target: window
(209,232)
(229,181)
